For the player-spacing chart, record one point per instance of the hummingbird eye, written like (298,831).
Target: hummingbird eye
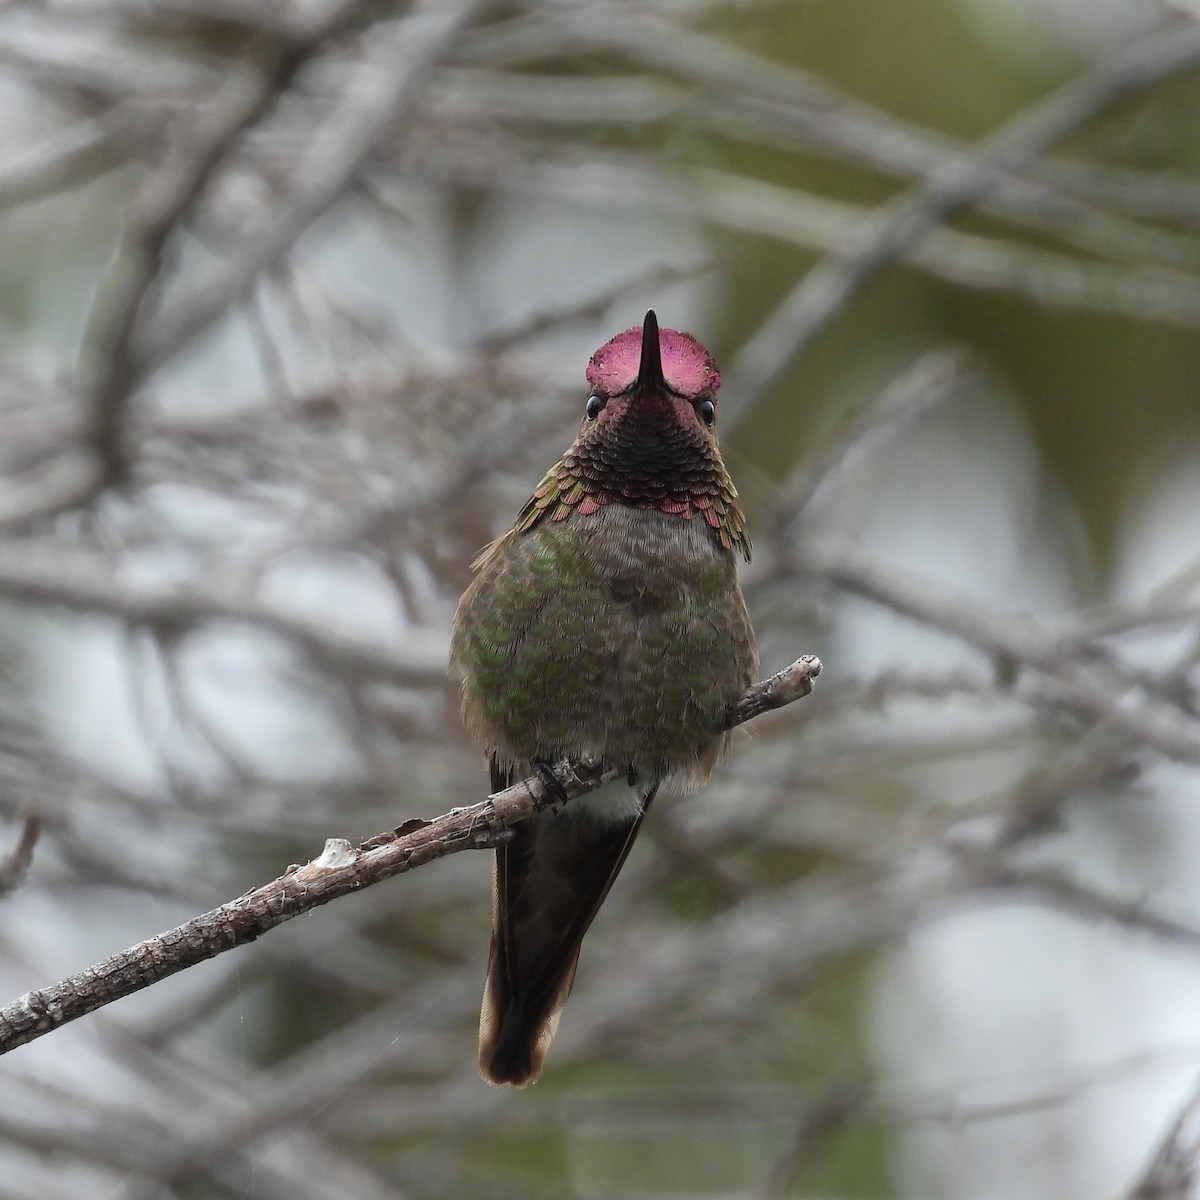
(707,410)
(595,406)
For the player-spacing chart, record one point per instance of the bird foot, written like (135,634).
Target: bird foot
(551,782)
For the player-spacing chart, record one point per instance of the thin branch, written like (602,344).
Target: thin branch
(341,868)
(782,688)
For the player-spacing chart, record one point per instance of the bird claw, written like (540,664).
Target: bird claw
(490,839)
(551,782)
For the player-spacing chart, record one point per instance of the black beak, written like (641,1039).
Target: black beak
(650,371)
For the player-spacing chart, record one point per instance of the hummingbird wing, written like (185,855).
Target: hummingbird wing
(548,885)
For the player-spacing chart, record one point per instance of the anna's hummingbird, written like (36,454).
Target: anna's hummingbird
(607,623)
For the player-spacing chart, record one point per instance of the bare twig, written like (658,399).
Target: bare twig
(782,688)
(341,868)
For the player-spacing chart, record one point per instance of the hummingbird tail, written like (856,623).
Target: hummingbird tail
(549,883)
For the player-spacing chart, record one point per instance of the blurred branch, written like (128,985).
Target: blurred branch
(1104,691)
(1174,1168)
(70,478)
(924,385)
(659,276)
(159,209)
(1055,889)
(376,104)
(87,582)
(897,225)
(15,863)
(758,98)
(838,1104)
(339,870)
(1189,8)
(747,205)
(63,161)
(781,107)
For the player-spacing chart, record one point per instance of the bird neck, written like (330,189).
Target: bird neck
(653,462)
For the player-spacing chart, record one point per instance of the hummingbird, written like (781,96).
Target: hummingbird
(606,624)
